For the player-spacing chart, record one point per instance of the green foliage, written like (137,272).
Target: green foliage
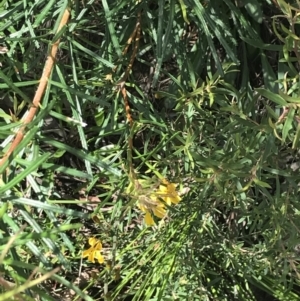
(213,93)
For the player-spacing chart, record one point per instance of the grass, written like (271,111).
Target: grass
(182,115)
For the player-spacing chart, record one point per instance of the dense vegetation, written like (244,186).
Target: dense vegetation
(149,150)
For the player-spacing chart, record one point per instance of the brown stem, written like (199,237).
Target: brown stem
(135,36)
(39,92)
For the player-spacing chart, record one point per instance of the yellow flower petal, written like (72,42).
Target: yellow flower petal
(91,257)
(98,246)
(169,194)
(142,207)
(172,199)
(92,241)
(162,189)
(86,253)
(171,187)
(159,211)
(98,256)
(149,219)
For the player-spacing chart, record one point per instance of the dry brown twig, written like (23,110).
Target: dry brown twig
(40,90)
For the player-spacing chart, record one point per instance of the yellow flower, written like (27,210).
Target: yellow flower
(168,193)
(154,204)
(151,205)
(94,252)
